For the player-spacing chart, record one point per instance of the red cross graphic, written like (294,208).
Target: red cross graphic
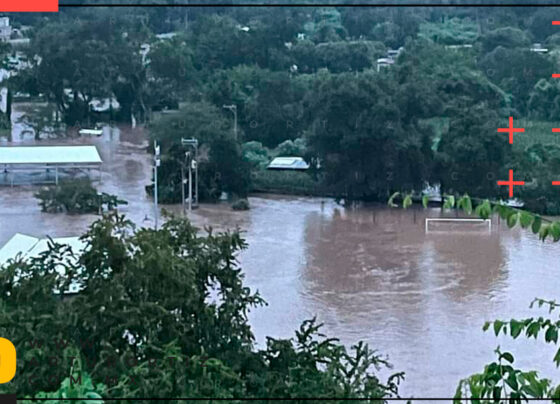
(510,183)
(511,130)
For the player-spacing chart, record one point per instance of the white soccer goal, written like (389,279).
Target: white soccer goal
(440,224)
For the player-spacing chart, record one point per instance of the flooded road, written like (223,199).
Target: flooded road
(369,273)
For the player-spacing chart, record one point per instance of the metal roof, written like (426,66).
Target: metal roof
(288,163)
(19,243)
(29,247)
(49,155)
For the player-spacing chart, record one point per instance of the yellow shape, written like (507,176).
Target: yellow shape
(7,360)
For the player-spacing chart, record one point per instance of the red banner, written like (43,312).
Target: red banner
(28,5)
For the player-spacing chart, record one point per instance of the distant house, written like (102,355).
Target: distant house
(459,46)
(5,29)
(384,62)
(288,163)
(167,35)
(392,55)
(537,48)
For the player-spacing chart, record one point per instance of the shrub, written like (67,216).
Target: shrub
(289,148)
(241,204)
(293,182)
(76,196)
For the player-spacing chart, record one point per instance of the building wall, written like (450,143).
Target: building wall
(5,29)
(3,100)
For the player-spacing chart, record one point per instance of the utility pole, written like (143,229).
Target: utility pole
(190,186)
(184,181)
(157,162)
(191,161)
(233,108)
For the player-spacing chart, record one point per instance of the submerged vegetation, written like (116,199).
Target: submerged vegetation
(76,196)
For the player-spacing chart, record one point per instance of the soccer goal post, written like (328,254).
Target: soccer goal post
(457,224)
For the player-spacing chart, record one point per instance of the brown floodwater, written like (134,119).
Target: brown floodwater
(368,273)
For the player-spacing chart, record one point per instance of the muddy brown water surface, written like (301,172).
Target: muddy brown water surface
(368,273)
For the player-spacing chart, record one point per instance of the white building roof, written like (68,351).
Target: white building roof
(29,247)
(288,163)
(19,243)
(49,155)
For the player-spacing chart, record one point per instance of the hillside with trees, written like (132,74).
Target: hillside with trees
(314,76)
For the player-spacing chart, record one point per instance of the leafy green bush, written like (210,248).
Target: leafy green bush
(500,380)
(291,148)
(76,196)
(295,182)
(78,385)
(453,31)
(256,154)
(241,204)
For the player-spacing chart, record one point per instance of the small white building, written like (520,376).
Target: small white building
(52,159)
(459,46)
(3,100)
(384,62)
(392,55)
(288,163)
(5,29)
(538,48)
(167,35)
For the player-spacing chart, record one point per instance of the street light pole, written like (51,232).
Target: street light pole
(190,187)
(183,189)
(191,160)
(185,162)
(233,108)
(156,164)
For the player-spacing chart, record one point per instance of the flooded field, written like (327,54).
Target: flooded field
(369,273)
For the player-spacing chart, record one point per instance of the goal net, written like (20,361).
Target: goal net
(457,225)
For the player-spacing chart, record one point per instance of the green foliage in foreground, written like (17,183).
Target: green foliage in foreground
(76,196)
(500,380)
(78,385)
(163,313)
